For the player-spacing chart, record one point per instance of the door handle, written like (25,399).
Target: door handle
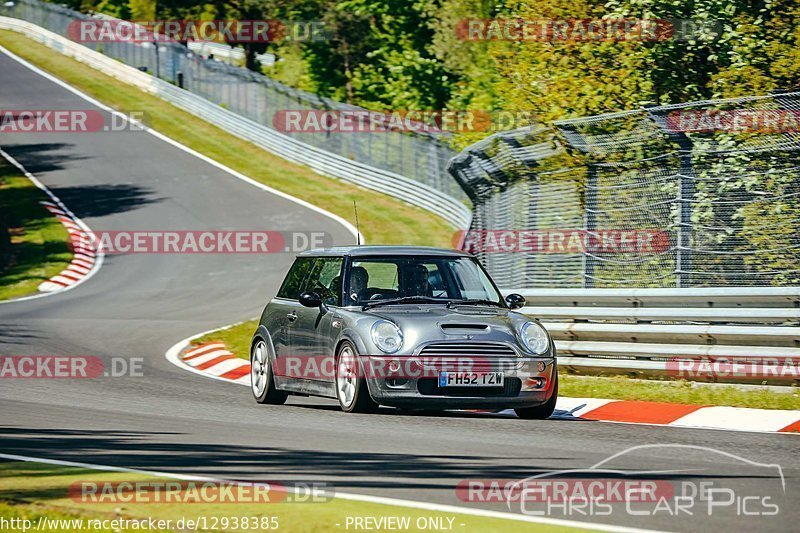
(292,316)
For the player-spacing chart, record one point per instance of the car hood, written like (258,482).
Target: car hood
(437,311)
(427,323)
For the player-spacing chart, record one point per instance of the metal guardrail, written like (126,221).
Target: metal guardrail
(782,336)
(322,162)
(647,332)
(667,297)
(669,314)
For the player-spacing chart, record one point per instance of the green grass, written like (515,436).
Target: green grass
(623,388)
(38,240)
(384,220)
(33,489)
(237,339)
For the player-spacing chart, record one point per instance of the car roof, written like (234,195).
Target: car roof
(367,251)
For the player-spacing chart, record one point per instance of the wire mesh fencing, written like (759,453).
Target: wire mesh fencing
(696,194)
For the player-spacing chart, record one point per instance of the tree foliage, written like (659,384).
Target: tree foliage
(408,55)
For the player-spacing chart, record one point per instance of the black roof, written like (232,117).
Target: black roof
(372,250)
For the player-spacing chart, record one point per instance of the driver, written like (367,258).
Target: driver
(415,281)
(359,279)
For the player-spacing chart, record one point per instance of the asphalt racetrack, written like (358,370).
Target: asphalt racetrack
(171,420)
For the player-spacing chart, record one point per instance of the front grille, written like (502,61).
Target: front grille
(430,387)
(466,349)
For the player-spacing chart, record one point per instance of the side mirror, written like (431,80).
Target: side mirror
(310,299)
(515,301)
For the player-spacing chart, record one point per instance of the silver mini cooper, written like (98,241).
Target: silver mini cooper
(407,327)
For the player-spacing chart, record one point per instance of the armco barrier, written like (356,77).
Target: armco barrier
(644,331)
(322,162)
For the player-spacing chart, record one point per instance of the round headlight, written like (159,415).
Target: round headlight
(386,336)
(535,338)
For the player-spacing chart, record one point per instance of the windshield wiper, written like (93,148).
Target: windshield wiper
(404,299)
(477,302)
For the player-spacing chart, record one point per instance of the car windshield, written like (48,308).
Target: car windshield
(396,280)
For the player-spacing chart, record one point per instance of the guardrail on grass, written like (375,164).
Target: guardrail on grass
(651,332)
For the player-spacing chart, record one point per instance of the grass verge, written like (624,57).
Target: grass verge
(33,490)
(686,392)
(38,248)
(237,339)
(384,220)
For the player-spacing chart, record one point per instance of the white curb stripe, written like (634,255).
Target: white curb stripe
(719,417)
(70,275)
(576,407)
(204,348)
(78,269)
(200,359)
(227,366)
(82,262)
(62,279)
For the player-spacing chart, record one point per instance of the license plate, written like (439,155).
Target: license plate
(470,379)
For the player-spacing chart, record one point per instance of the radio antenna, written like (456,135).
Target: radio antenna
(358,231)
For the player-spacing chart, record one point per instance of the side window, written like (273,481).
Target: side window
(326,279)
(293,284)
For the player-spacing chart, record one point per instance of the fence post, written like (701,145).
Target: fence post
(578,141)
(590,223)
(686,182)
(685,195)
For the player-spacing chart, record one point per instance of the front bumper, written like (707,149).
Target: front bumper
(528,382)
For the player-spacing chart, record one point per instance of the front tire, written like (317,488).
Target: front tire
(351,387)
(261,382)
(541,412)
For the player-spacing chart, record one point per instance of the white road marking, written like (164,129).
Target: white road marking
(442,508)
